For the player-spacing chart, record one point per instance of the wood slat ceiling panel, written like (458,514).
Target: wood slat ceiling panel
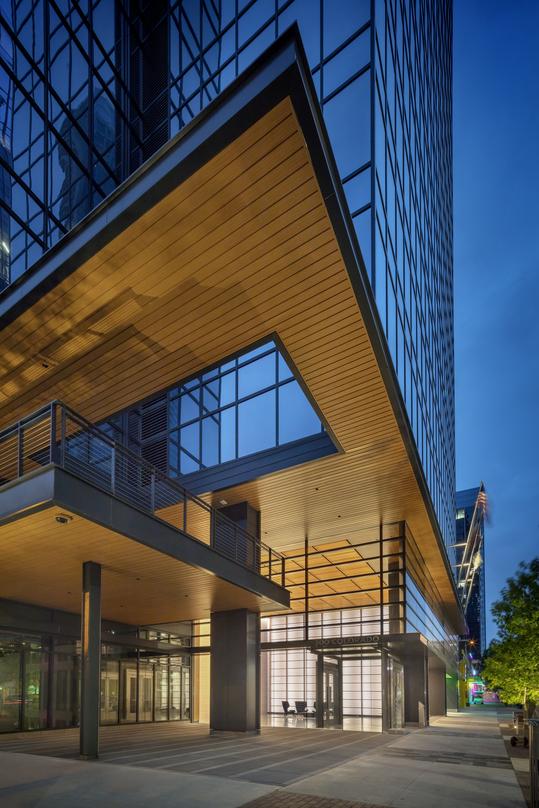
(42,564)
(242,249)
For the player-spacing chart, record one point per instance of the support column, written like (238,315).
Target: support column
(234,674)
(437,686)
(91,660)
(416,708)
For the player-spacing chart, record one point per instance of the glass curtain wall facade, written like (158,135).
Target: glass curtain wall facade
(389,592)
(40,684)
(96,87)
(246,405)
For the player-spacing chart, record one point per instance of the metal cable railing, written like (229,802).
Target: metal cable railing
(57,435)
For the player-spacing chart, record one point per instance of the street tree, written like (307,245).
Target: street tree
(511,663)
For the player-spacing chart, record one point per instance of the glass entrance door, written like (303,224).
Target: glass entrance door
(110,681)
(329,692)
(145,692)
(129,693)
(396,694)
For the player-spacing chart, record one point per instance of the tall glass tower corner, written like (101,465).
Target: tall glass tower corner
(92,90)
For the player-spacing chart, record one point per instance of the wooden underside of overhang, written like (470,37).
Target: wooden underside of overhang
(241,250)
(42,565)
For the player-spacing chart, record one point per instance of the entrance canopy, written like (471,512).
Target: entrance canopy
(235,231)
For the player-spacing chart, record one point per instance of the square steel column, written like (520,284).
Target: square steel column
(91,660)
(235,672)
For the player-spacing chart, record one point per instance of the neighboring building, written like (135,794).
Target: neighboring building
(260,320)
(470,565)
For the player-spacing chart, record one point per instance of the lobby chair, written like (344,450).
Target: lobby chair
(286,708)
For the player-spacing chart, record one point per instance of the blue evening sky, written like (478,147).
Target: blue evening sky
(496,202)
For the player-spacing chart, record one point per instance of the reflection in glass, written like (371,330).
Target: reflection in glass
(128,713)
(36,668)
(145,691)
(161,689)
(10,685)
(297,419)
(256,375)
(110,690)
(66,684)
(256,426)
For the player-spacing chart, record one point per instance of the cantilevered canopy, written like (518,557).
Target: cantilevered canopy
(236,230)
(151,572)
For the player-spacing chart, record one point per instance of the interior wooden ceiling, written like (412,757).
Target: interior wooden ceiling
(42,564)
(349,573)
(242,249)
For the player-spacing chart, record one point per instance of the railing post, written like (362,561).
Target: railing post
(213,516)
(185,511)
(20,451)
(152,491)
(53,452)
(113,468)
(62,436)
(283,565)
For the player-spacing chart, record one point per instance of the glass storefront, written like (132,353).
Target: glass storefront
(40,684)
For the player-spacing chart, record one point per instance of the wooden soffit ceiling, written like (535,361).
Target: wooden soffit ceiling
(42,564)
(243,247)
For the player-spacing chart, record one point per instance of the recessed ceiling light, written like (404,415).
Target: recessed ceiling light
(223,502)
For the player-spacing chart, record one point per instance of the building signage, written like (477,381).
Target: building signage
(332,642)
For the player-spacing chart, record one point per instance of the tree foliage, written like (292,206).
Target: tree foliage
(511,665)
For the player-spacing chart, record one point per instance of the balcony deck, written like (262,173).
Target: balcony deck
(71,494)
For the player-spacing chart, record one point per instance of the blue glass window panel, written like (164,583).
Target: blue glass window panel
(228,366)
(284,370)
(253,19)
(189,438)
(380,269)
(347,118)
(347,62)
(257,46)
(358,190)
(189,408)
(174,413)
(297,419)
(228,388)
(307,16)
(173,453)
(210,374)
(341,20)
(362,223)
(256,375)
(187,464)
(255,352)
(210,400)
(210,441)
(257,424)
(228,434)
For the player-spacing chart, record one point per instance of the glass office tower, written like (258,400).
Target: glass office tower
(470,552)
(96,87)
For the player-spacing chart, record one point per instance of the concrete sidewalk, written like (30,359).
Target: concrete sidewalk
(458,762)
